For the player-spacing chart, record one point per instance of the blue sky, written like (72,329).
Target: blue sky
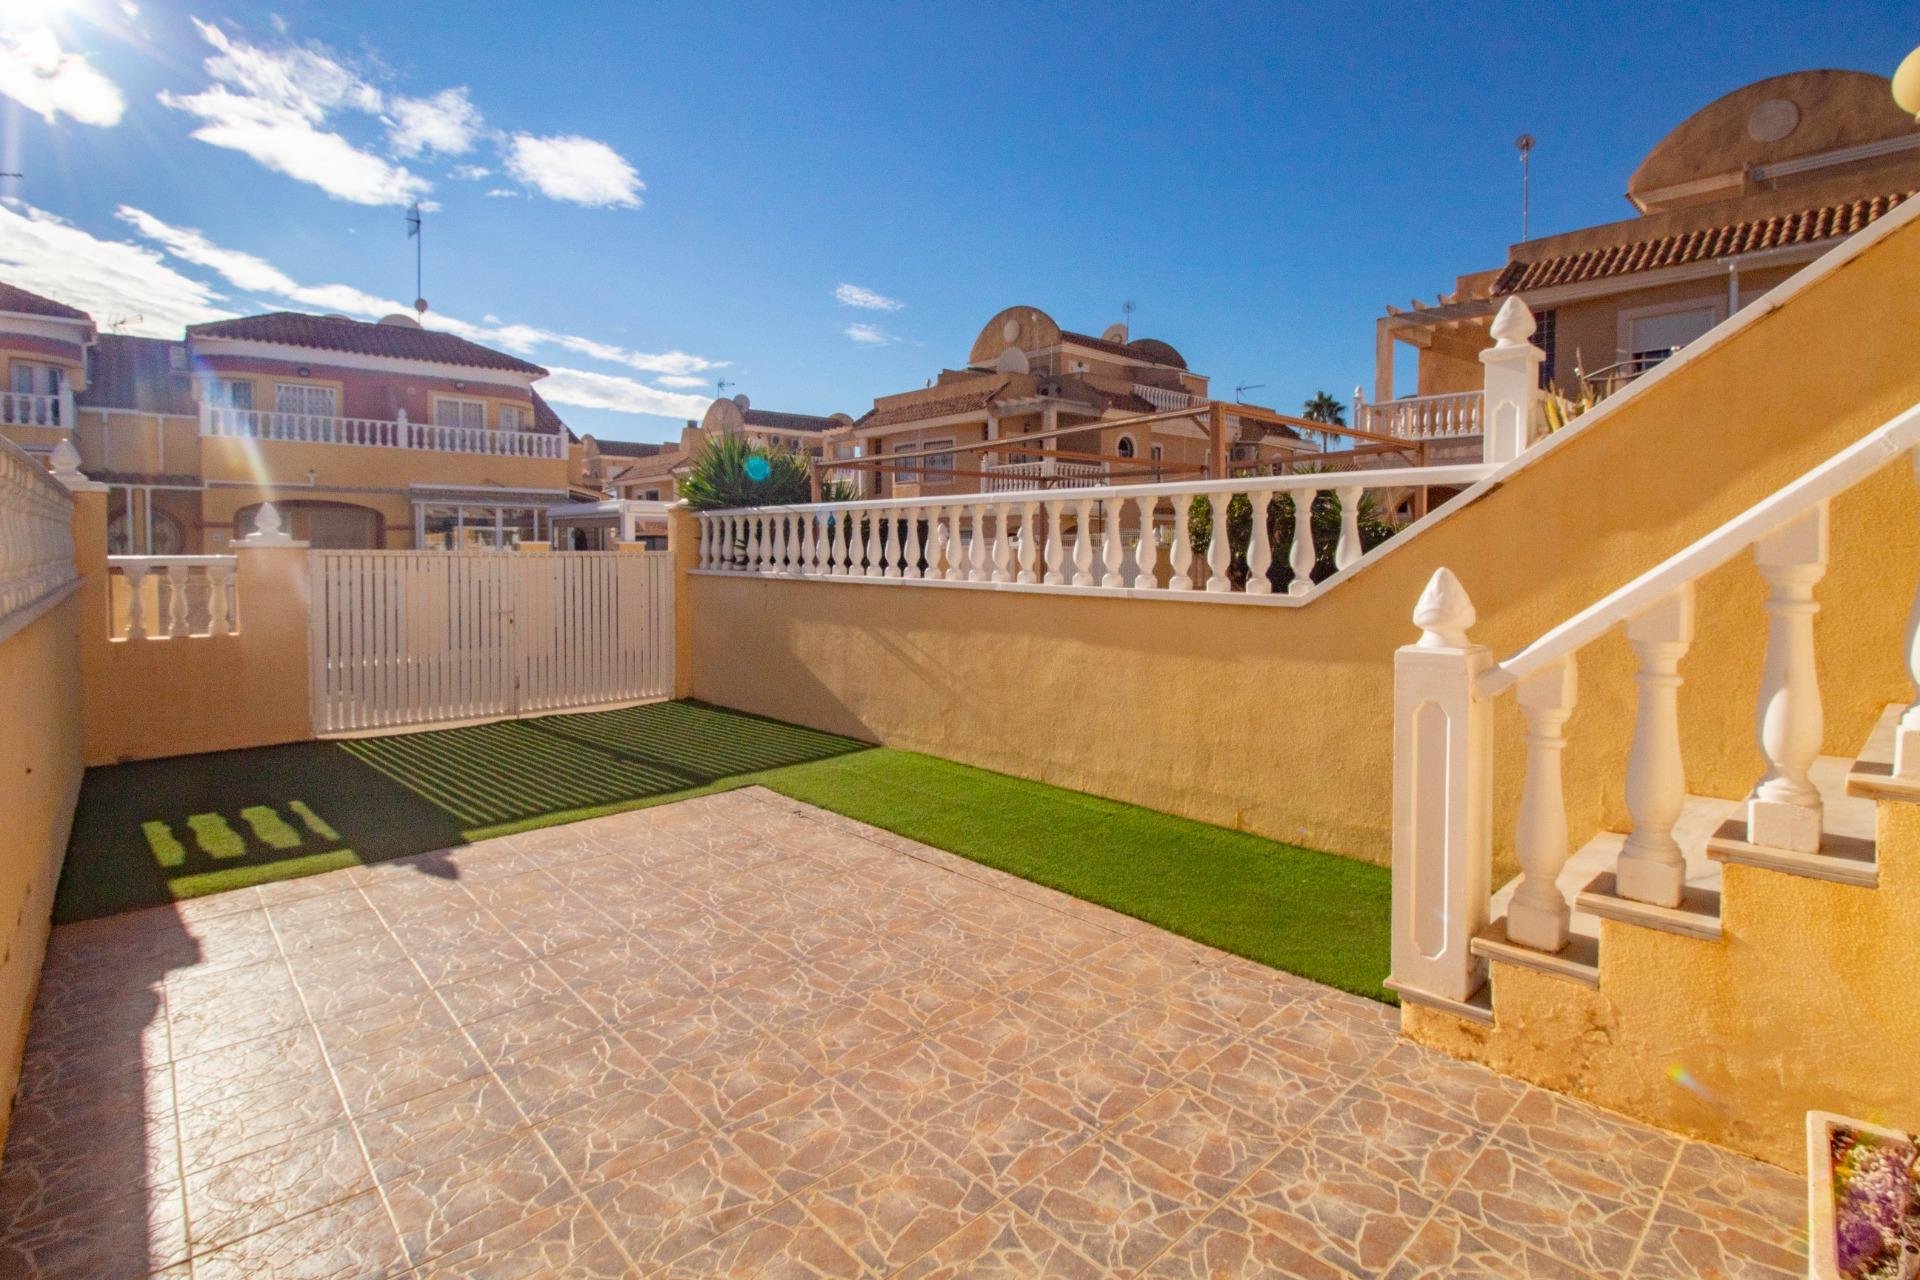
(673,195)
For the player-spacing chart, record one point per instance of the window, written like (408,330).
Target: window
(903,475)
(451,412)
(653,495)
(1125,447)
(296,403)
(1543,338)
(36,379)
(230,393)
(1159,452)
(466,527)
(512,418)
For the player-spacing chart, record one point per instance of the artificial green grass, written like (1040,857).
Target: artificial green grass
(166,829)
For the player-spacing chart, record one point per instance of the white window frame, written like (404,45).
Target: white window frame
(515,417)
(220,393)
(42,379)
(304,390)
(1629,316)
(466,403)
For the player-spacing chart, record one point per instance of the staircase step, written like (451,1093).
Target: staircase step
(1697,916)
(1843,859)
(1578,961)
(1871,775)
(1477,1007)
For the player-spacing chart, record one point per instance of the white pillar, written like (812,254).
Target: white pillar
(1906,740)
(1512,385)
(1442,795)
(1259,545)
(1349,548)
(1113,554)
(1537,916)
(1652,868)
(1303,556)
(1785,811)
(1180,554)
(1220,549)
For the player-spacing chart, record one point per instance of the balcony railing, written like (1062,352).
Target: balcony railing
(1018,477)
(399,433)
(36,408)
(1441,417)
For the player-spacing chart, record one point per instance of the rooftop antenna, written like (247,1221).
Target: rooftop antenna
(722,385)
(1126,315)
(413,234)
(118,323)
(1524,145)
(1239,397)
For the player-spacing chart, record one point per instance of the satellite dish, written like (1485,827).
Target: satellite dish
(398,319)
(742,401)
(1114,333)
(1012,360)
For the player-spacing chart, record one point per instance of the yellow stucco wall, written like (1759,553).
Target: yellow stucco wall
(40,768)
(1278,720)
(144,699)
(1807,1003)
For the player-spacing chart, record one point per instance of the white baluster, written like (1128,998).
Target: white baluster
(935,544)
(1146,553)
(1083,543)
(873,544)
(977,570)
(1056,549)
(756,542)
(219,606)
(911,569)
(1259,545)
(1652,868)
(1182,549)
(778,551)
(804,551)
(1112,554)
(836,538)
(956,545)
(1537,916)
(1302,557)
(1785,811)
(1220,549)
(1002,543)
(135,576)
(176,581)
(1348,549)
(1029,548)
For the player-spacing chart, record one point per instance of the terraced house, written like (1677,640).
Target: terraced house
(362,435)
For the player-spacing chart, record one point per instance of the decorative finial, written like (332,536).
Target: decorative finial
(1444,613)
(1514,324)
(66,464)
(267,530)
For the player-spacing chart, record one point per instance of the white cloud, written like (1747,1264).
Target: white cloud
(114,281)
(591,390)
(502,193)
(867,335)
(255,275)
(271,104)
(579,170)
(448,122)
(853,295)
(470,172)
(42,77)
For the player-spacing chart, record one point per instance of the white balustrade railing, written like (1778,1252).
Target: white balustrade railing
(398,433)
(1166,397)
(1442,757)
(37,568)
(172,597)
(36,409)
(1441,417)
(1021,477)
(1133,539)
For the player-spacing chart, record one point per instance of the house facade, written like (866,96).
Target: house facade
(1028,378)
(652,472)
(1739,196)
(363,435)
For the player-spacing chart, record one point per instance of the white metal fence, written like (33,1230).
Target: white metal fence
(422,637)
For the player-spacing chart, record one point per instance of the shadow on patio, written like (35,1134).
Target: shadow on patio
(163,830)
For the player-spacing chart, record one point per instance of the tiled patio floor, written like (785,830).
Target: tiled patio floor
(736,1036)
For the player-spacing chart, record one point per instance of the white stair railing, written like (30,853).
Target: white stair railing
(1442,761)
(1131,539)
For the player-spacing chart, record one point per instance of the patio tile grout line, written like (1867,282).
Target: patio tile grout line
(1653,1209)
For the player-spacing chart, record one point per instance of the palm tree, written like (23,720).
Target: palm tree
(1324,408)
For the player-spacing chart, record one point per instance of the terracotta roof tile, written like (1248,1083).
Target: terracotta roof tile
(1151,350)
(19,301)
(628,448)
(773,421)
(331,333)
(546,421)
(1806,226)
(941,407)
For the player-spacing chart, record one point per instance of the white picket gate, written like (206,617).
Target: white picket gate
(425,637)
